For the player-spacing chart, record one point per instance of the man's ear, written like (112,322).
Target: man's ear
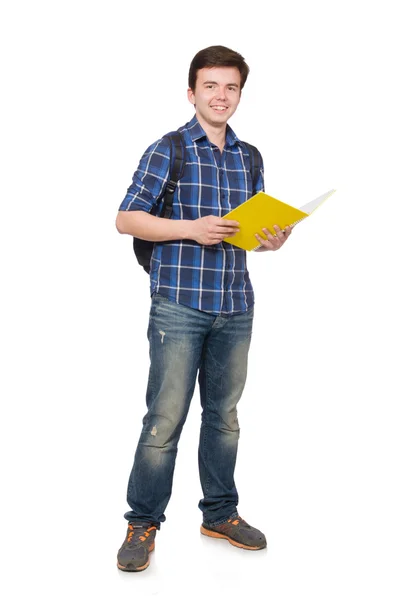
(191,97)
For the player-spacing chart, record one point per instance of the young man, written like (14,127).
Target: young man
(201,312)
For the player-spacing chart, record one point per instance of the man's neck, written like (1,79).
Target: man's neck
(216,135)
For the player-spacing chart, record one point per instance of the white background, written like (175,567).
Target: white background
(87,86)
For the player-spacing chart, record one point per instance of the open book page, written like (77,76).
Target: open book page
(313,204)
(309,208)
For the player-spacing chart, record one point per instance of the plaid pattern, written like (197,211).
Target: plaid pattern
(212,279)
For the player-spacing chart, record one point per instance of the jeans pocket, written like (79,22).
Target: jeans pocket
(158,297)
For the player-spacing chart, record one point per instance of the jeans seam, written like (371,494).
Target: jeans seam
(207,481)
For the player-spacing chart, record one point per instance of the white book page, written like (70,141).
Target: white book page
(313,204)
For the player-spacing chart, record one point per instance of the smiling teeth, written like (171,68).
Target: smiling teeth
(219,107)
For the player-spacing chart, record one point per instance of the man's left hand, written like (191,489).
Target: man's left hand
(273,242)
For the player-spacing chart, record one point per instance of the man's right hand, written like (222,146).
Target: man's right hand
(212,230)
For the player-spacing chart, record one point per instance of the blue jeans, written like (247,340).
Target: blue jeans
(184,341)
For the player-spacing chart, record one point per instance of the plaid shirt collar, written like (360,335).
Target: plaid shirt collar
(197,133)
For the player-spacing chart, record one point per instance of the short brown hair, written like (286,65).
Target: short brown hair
(217,56)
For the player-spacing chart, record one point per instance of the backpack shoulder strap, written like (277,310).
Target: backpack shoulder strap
(255,163)
(177,165)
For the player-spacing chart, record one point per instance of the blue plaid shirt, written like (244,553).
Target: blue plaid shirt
(212,279)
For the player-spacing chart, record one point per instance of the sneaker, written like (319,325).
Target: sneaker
(237,532)
(139,542)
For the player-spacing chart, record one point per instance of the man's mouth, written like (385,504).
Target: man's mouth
(219,107)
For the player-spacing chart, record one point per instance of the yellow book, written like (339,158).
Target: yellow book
(262,211)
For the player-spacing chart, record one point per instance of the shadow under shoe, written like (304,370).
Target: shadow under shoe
(139,542)
(237,532)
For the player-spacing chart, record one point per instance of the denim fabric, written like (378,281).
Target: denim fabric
(184,342)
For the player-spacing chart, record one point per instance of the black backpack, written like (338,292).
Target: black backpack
(142,248)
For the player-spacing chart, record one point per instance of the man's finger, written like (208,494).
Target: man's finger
(225,232)
(267,233)
(227,223)
(278,231)
(266,243)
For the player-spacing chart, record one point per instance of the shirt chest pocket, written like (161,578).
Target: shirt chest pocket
(239,184)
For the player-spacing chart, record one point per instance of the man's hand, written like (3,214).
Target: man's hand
(273,242)
(211,230)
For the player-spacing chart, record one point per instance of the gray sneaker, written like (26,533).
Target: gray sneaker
(139,542)
(237,532)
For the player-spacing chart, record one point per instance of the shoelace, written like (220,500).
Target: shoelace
(141,537)
(236,521)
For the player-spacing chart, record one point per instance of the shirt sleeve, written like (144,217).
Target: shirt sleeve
(149,179)
(260,184)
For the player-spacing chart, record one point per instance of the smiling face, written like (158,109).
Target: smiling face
(216,95)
